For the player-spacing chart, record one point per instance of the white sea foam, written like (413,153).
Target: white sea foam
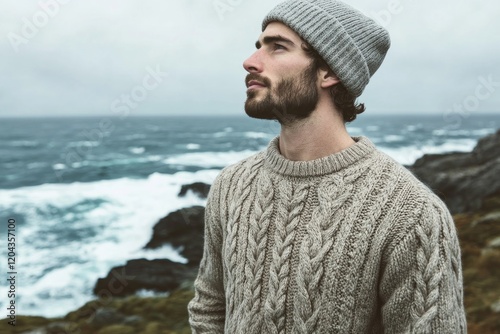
(412,128)
(143,293)
(219,134)
(463,132)
(483,132)
(225,132)
(114,162)
(72,234)
(192,146)
(393,138)
(85,143)
(407,155)
(59,166)
(354,131)
(154,158)
(372,128)
(256,135)
(80,164)
(137,150)
(208,159)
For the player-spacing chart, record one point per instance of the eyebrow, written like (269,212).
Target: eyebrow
(272,39)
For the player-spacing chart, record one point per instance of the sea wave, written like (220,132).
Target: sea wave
(109,162)
(24,143)
(258,135)
(137,150)
(208,159)
(100,225)
(192,146)
(463,132)
(407,155)
(84,143)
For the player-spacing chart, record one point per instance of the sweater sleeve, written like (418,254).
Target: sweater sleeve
(421,287)
(207,308)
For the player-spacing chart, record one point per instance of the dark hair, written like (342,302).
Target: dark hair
(343,100)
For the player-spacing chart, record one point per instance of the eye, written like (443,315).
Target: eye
(277,46)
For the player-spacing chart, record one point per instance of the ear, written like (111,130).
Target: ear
(327,78)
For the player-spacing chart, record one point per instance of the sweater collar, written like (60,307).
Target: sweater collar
(326,165)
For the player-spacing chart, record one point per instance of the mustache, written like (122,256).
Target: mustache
(257,77)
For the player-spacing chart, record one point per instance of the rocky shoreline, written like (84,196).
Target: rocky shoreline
(467,182)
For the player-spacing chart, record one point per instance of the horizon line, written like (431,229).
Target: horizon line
(406,114)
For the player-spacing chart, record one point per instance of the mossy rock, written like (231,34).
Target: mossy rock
(162,315)
(491,203)
(481,266)
(24,324)
(161,328)
(117,329)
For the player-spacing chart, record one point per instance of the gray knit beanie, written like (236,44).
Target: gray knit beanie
(352,44)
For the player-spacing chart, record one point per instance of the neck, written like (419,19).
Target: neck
(320,135)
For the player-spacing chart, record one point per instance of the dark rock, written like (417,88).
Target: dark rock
(463,180)
(106,316)
(58,328)
(199,188)
(155,275)
(117,329)
(487,148)
(133,320)
(181,228)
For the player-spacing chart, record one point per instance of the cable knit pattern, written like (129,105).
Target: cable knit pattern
(256,252)
(236,208)
(315,245)
(348,243)
(279,273)
(427,278)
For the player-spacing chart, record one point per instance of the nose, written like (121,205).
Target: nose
(253,64)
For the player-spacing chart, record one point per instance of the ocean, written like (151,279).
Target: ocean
(86,192)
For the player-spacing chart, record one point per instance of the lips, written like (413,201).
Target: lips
(252,84)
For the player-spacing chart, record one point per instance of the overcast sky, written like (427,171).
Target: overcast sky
(184,57)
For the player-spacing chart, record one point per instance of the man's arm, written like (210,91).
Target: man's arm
(421,286)
(207,308)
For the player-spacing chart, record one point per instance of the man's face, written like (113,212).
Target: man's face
(281,82)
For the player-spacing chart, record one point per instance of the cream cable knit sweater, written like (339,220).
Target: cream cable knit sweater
(349,243)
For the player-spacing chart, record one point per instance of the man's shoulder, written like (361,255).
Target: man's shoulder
(412,207)
(417,187)
(411,195)
(415,199)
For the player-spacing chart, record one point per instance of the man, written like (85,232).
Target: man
(321,232)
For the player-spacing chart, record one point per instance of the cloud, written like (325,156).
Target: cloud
(89,53)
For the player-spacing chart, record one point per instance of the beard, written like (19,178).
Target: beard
(292,99)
